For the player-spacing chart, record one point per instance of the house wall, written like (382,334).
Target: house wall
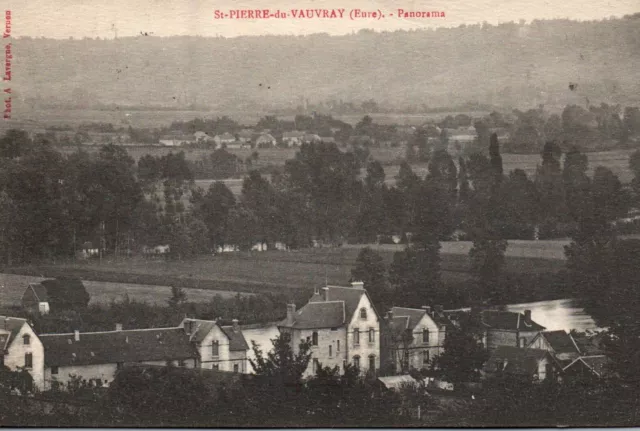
(103,372)
(14,359)
(365,348)
(238,357)
(262,336)
(497,338)
(326,337)
(417,348)
(206,351)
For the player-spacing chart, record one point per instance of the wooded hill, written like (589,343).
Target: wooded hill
(512,64)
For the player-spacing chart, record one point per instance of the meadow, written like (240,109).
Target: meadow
(12,287)
(293,273)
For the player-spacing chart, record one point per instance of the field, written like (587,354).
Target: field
(12,287)
(292,273)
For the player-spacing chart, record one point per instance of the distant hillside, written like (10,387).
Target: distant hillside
(510,65)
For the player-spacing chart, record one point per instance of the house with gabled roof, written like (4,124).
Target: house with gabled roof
(534,365)
(342,326)
(506,328)
(560,343)
(220,347)
(35,298)
(416,336)
(97,356)
(594,367)
(21,349)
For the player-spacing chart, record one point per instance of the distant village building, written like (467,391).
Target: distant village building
(176,139)
(265,140)
(220,347)
(202,137)
(35,299)
(97,356)
(589,367)
(293,138)
(342,326)
(245,135)
(21,348)
(224,139)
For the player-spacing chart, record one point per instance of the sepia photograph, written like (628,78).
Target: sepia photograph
(320,214)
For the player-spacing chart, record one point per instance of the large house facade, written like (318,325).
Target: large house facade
(342,326)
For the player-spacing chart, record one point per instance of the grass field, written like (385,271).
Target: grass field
(12,287)
(290,273)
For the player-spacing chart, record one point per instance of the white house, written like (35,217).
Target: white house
(224,139)
(342,326)
(293,138)
(221,348)
(265,140)
(417,336)
(21,348)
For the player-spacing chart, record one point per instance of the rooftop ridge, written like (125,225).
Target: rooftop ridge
(112,331)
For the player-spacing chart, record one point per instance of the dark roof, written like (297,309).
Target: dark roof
(40,291)
(202,328)
(589,346)
(157,344)
(342,303)
(237,341)
(508,320)
(561,342)
(414,315)
(516,360)
(10,327)
(319,315)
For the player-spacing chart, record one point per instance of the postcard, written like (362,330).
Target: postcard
(320,213)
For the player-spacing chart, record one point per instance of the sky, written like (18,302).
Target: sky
(62,19)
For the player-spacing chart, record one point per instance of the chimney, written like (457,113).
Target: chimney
(291,311)
(118,326)
(390,315)
(76,335)
(235,325)
(427,309)
(326,293)
(357,284)
(527,316)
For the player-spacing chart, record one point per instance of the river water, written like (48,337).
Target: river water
(557,314)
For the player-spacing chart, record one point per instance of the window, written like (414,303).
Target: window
(28,360)
(425,357)
(215,367)
(316,364)
(215,348)
(425,336)
(337,345)
(235,368)
(523,342)
(26,340)
(356,362)
(330,350)
(356,337)
(54,370)
(181,363)
(363,313)
(372,335)
(372,363)
(314,338)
